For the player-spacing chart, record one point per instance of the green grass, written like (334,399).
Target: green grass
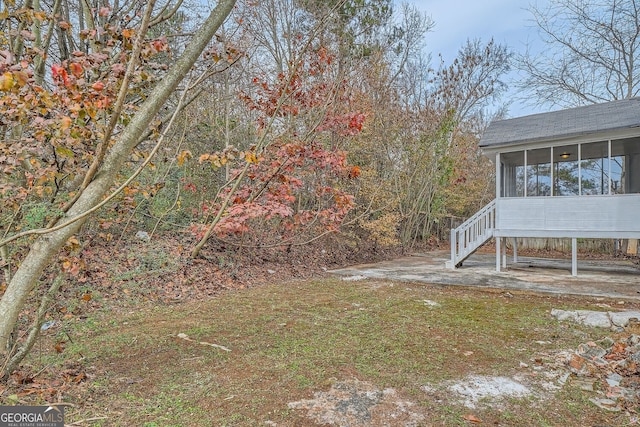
(289,341)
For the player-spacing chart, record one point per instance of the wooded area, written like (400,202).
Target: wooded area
(246,126)
(292,121)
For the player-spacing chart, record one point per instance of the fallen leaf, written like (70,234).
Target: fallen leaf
(472,419)
(6,81)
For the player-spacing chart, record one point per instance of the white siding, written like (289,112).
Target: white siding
(569,216)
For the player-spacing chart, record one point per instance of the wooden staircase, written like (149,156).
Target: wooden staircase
(472,234)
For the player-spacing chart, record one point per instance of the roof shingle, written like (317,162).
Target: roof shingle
(573,122)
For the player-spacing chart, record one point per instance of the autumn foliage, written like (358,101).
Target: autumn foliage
(53,125)
(291,181)
(292,121)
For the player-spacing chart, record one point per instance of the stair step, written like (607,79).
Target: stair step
(474,232)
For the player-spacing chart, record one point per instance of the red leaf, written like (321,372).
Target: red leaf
(60,73)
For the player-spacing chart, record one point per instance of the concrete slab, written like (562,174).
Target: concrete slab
(610,279)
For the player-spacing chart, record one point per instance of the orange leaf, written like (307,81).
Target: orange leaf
(250,157)
(59,347)
(86,297)
(184,156)
(66,123)
(472,419)
(76,69)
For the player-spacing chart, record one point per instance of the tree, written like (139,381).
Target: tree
(468,86)
(356,24)
(446,110)
(105,162)
(590,53)
(287,178)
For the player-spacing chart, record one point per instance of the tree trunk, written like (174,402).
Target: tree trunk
(46,247)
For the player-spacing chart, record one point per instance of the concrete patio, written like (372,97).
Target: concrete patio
(610,278)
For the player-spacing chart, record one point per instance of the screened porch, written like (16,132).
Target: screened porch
(571,173)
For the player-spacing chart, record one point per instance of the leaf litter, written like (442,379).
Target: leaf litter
(350,402)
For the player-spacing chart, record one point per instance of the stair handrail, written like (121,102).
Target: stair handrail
(489,206)
(457,253)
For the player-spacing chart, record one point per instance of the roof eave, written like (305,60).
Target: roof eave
(613,133)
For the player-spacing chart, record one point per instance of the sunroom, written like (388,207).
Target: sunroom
(572,173)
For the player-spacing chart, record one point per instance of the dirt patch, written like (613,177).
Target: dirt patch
(479,391)
(357,403)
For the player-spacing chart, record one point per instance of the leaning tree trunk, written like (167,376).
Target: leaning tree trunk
(45,248)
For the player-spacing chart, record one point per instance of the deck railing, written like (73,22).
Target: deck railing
(472,234)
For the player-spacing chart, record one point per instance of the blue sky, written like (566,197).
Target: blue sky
(507,21)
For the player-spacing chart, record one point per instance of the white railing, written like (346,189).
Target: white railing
(472,234)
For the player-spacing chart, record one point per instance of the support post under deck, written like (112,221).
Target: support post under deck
(498,253)
(504,253)
(574,256)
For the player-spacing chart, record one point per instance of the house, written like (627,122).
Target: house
(572,173)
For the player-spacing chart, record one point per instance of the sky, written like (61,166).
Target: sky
(507,21)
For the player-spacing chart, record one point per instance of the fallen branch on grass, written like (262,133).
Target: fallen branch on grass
(186,338)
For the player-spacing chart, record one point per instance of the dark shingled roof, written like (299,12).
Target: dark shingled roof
(574,122)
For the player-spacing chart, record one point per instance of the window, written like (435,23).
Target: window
(566,180)
(619,150)
(604,167)
(594,165)
(513,174)
(538,171)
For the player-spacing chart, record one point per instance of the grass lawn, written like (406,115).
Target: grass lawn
(402,345)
